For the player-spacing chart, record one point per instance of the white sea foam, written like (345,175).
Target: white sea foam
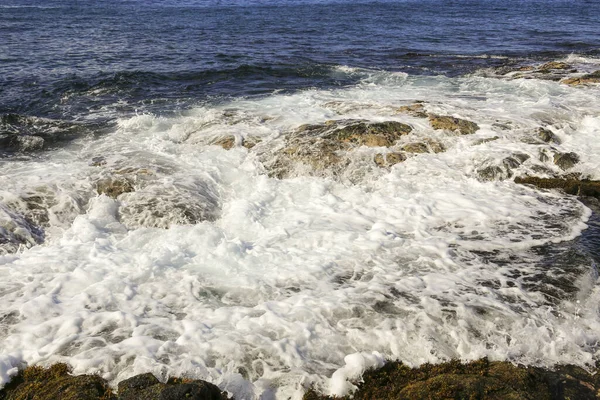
(310,280)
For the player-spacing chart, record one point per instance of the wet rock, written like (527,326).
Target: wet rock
(229,142)
(323,149)
(479,379)
(554,65)
(566,161)
(417,109)
(115,186)
(426,146)
(570,186)
(371,134)
(485,140)
(547,136)
(147,387)
(594,77)
(453,124)
(55,383)
(504,170)
(389,159)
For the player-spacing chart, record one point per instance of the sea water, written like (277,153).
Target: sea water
(212,268)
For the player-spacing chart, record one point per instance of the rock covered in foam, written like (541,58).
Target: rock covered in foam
(445,122)
(16,231)
(160,206)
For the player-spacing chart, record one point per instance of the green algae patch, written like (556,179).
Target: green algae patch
(479,379)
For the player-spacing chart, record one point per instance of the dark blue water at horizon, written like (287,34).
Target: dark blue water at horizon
(71,58)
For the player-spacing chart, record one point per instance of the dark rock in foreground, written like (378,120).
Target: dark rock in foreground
(37,383)
(569,186)
(476,380)
(55,383)
(147,387)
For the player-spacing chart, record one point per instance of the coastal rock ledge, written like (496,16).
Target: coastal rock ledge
(479,379)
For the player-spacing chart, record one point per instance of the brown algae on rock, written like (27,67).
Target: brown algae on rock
(449,123)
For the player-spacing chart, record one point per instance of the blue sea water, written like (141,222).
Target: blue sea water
(146,52)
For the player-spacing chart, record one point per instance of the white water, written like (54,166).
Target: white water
(304,281)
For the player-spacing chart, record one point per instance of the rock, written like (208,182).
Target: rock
(554,65)
(415,147)
(322,149)
(570,186)
(479,379)
(453,124)
(485,140)
(372,134)
(417,109)
(566,161)
(594,77)
(547,136)
(114,187)
(389,159)
(504,170)
(426,146)
(147,387)
(228,142)
(55,383)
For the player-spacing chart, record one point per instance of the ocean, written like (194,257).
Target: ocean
(176,196)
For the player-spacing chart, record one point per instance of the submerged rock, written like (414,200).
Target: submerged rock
(426,146)
(22,133)
(157,206)
(453,124)
(17,232)
(479,379)
(594,77)
(570,186)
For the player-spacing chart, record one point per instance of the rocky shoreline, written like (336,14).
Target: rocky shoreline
(480,379)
